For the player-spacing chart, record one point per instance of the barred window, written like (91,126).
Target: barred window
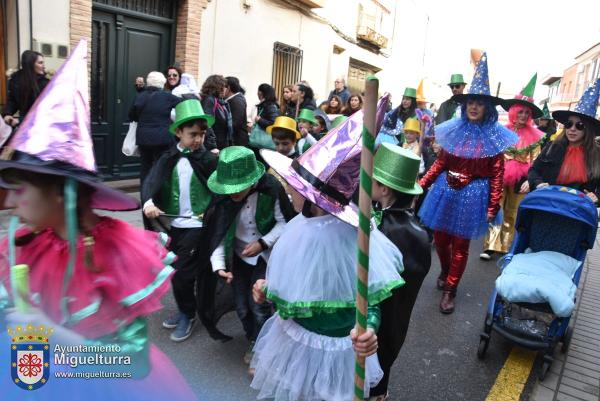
(287,67)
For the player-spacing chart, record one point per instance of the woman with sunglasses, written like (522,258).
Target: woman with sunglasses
(573,159)
(517,160)
(173,75)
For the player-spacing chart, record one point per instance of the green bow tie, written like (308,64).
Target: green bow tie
(377,215)
(186,151)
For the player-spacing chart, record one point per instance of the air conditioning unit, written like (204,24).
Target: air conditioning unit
(54,53)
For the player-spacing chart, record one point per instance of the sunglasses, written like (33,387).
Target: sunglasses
(454,86)
(173,75)
(579,125)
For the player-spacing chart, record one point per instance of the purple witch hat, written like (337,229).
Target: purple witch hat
(327,173)
(55,136)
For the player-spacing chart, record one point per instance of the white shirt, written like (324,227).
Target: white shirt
(246,232)
(308,139)
(184,172)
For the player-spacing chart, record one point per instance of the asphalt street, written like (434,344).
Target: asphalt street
(437,363)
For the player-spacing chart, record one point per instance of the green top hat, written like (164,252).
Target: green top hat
(189,110)
(397,168)
(337,121)
(308,115)
(457,79)
(410,92)
(236,171)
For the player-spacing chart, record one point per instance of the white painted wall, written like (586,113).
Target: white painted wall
(50,25)
(239,42)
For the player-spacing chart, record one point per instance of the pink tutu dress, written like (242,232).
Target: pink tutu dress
(106,305)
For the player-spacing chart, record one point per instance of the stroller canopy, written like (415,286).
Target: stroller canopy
(561,201)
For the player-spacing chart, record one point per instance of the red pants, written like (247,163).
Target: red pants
(453,252)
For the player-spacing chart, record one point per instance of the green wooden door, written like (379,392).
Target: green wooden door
(123,47)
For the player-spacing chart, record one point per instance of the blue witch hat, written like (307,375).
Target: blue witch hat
(480,86)
(585,108)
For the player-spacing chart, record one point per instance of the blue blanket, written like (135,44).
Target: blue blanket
(539,277)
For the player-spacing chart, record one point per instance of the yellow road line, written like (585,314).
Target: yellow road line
(513,376)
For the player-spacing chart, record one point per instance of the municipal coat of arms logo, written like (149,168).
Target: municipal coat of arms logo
(30,356)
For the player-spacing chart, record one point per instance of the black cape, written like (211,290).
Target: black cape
(202,161)
(402,228)
(215,297)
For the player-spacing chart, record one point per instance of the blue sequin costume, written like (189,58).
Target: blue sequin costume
(466,180)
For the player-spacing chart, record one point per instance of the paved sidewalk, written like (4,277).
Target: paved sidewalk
(575,375)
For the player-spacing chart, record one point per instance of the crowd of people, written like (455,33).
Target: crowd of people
(252,202)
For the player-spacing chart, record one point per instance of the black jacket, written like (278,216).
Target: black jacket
(203,163)
(152,110)
(237,105)
(219,218)
(446,111)
(547,167)
(13,96)
(268,112)
(402,228)
(290,110)
(223,127)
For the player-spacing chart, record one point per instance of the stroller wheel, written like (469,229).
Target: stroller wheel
(484,342)
(546,364)
(566,340)
(544,370)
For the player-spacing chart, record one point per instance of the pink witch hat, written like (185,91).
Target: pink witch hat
(327,173)
(55,136)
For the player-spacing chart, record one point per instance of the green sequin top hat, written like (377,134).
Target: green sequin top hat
(397,168)
(480,87)
(307,115)
(236,171)
(410,92)
(525,97)
(189,110)
(546,111)
(457,79)
(337,121)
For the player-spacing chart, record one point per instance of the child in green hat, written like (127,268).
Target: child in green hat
(248,219)
(176,187)
(306,123)
(394,189)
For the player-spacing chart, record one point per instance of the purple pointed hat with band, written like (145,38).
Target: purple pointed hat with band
(55,136)
(327,173)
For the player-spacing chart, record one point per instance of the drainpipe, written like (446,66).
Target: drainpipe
(18,33)
(30,26)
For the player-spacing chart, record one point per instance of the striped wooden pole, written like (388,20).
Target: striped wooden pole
(364,224)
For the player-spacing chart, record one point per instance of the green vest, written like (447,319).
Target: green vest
(264,217)
(200,196)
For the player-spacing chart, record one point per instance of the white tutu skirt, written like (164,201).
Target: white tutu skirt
(294,364)
(313,267)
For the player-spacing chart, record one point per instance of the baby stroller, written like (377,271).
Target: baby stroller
(557,219)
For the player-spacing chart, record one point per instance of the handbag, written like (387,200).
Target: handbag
(259,139)
(130,147)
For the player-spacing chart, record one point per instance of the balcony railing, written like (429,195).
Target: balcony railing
(368,34)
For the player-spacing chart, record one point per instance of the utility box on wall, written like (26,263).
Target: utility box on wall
(54,54)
